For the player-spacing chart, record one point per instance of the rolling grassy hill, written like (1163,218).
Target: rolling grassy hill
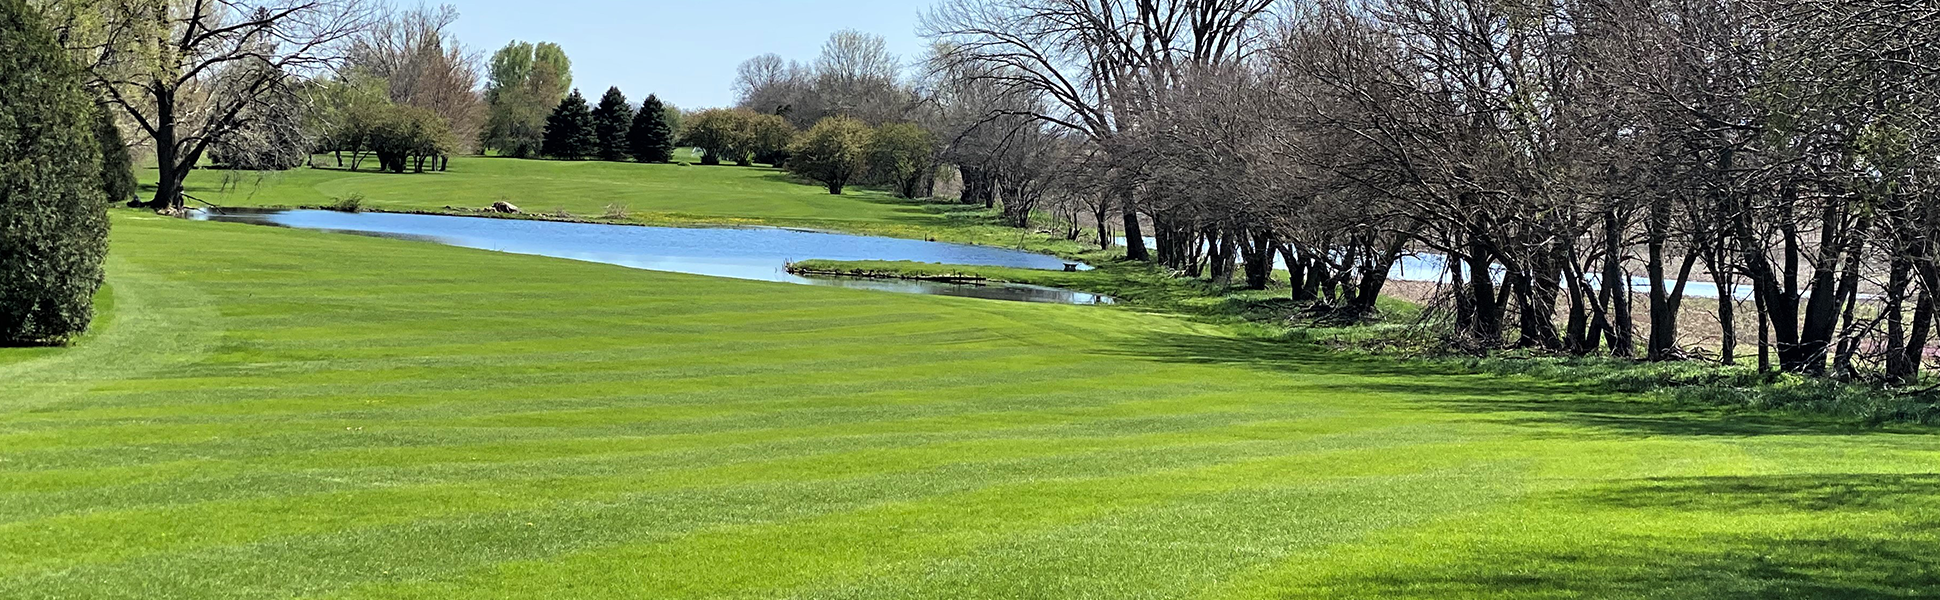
(653,194)
(272,413)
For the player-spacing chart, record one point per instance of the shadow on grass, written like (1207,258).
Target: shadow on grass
(1843,547)
(1818,492)
(1502,399)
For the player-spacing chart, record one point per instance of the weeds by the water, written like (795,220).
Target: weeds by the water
(350,203)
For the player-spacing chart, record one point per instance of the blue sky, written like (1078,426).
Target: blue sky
(684,51)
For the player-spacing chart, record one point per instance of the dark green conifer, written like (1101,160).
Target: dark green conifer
(611,120)
(569,131)
(53,216)
(651,139)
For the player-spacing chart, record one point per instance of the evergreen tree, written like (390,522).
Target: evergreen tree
(611,120)
(569,131)
(651,139)
(53,217)
(117,167)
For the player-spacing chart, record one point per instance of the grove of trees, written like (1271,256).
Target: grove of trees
(1566,158)
(611,131)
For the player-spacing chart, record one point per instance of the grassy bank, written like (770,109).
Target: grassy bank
(1697,385)
(1140,285)
(274,413)
(634,193)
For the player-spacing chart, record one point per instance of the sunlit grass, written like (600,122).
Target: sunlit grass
(275,413)
(647,194)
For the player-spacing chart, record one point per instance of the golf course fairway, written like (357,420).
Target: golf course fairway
(270,413)
(619,192)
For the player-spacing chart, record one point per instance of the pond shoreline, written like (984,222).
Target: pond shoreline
(681,222)
(762,253)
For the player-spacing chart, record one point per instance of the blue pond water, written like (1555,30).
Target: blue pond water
(758,253)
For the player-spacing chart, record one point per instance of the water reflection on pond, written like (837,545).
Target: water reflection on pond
(759,253)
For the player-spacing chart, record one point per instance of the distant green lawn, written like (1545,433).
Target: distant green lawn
(655,194)
(276,413)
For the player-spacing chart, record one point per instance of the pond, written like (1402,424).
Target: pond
(759,253)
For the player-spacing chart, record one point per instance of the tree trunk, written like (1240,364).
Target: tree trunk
(169,168)
(1487,325)
(1259,259)
(1134,235)
(1296,272)
(1367,293)
(1101,213)
(1617,286)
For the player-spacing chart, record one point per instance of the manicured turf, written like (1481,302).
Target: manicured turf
(658,194)
(275,413)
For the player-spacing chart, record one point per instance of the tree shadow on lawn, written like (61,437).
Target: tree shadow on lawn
(1827,535)
(1503,399)
(1648,551)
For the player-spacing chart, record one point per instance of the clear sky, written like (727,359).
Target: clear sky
(684,51)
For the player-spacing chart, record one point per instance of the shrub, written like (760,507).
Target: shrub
(721,134)
(832,152)
(899,155)
(53,216)
(404,137)
(352,203)
(768,138)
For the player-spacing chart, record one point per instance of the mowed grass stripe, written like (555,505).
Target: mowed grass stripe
(189,527)
(355,448)
(592,455)
(242,396)
(514,426)
(197,524)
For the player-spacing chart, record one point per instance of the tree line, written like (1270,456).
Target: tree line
(1576,162)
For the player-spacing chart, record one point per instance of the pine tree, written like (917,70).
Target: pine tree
(651,139)
(569,131)
(117,167)
(611,120)
(53,217)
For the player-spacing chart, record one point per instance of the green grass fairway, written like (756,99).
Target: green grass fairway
(275,413)
(653,194)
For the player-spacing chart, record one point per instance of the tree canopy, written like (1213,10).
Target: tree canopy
(720,133)
(526,83)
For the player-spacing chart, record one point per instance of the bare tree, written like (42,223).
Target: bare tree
(193,73)
(1097,63)
(423,66)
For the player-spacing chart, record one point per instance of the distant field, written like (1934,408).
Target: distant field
(277,414)
(585,188)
